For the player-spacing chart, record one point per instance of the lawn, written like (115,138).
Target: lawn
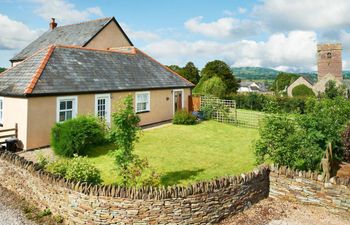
(184,154)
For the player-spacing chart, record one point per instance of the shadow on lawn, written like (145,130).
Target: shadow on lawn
(101,150)
(175,177)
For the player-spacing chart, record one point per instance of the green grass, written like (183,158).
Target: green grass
(185,154)
(249,118)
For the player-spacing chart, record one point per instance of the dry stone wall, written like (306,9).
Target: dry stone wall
(308,187)
(80,203)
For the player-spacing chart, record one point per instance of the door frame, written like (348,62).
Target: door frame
(108,106)
(182,100)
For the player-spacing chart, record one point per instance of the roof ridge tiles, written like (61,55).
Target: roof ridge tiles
(88,21)
(19,63)
(133,52)
(39,71)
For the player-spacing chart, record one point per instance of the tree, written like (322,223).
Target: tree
(332,90)
(221,70)
(2,69)
(214,86)
(176,69)
(190,72)
(302,91)
(283,80)
(124,134)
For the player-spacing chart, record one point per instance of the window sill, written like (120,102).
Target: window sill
(147,111)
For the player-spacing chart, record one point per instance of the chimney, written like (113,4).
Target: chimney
(53,24)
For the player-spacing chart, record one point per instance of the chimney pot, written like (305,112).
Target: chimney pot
(53,24)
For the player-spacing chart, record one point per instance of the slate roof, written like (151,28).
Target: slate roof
(75,34)
(59,70)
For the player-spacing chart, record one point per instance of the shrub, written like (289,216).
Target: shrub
(332,90)
(77,136)
(346,144)
(214,86)
(267,103)
(58,167)
(184,117)
(42,160)
(78,169)
(302,91)
(299,141)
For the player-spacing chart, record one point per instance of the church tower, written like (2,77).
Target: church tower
(329,61)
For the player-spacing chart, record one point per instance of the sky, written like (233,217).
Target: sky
(278,34)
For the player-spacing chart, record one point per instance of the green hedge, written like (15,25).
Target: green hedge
(259,102)
(184,117)
(302,91)
(77,136)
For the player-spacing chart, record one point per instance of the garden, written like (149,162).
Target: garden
(173,154)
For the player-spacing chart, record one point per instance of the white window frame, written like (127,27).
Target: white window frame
(108,106)
(148,106)
(182,100)
(74,106)
(2,111)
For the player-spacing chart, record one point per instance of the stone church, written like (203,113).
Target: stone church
(329,67)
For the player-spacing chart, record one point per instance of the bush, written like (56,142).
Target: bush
(184,117)
(213,86)
(302,91)
(346,144)
(299,141)
(267,103)
(77,136)
(78,169)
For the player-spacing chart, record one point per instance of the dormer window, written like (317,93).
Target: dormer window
(329,55)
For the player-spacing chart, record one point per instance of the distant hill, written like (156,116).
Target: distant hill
(261,73)
(254,73)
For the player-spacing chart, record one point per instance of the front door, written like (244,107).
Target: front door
(178,100)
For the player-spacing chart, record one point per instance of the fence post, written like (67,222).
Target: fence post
(16,130)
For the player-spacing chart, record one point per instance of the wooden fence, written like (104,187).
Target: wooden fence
(7,133)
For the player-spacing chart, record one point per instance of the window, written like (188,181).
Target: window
(142,101)
(66,108)
(1,110)
(102,107)
(329,55)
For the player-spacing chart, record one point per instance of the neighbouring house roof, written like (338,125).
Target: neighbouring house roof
(246,83)
(78,34)
(66,69)
(308,79)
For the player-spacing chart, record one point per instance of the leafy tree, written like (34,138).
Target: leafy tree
(332,90)
(221,70)
(302,91)
(175,68)
(283,80)
(300,141)
(2,69)
(214,86)
(190,72)
(124,134)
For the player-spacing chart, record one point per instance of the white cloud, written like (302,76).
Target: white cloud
(64,11)
(304,15)
(140,35)
(226,27)
(242,10)
(15,34)
(294,51)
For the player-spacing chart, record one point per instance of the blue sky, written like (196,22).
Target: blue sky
(279,34)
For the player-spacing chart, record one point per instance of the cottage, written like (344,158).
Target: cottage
(251,86)
(56,81)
